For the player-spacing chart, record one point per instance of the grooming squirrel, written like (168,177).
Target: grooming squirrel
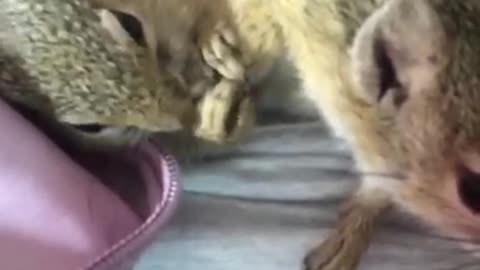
(57,59)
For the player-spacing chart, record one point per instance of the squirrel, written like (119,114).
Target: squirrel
(58,59)
(397,80)
(205,67)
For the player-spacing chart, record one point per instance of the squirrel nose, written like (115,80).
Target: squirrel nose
(468,185)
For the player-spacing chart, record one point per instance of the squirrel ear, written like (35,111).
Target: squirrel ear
(401,47)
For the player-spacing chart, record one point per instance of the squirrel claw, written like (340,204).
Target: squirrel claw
(215,112)
(219,53)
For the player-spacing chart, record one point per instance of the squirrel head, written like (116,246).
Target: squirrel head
(417,63)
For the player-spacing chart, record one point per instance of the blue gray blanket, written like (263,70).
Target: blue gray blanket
(263,205)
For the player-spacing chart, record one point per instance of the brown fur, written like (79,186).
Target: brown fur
(174,42)
(58,60)
(417,142)
(393,77)
(84,81)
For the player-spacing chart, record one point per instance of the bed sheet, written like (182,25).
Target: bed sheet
(264,204)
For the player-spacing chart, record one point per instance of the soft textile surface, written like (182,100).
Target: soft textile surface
(54,215)
(263,205)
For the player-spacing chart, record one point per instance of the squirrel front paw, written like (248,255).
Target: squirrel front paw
(340,251)
(346,244)
(221,52)
(226,114)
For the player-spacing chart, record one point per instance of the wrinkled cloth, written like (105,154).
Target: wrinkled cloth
(55,215)
(264,204)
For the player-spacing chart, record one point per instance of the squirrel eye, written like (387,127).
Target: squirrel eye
(469,189)
(132,25)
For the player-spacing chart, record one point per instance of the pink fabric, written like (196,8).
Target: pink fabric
(55,215)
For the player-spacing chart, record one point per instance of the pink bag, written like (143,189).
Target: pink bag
(54,215)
